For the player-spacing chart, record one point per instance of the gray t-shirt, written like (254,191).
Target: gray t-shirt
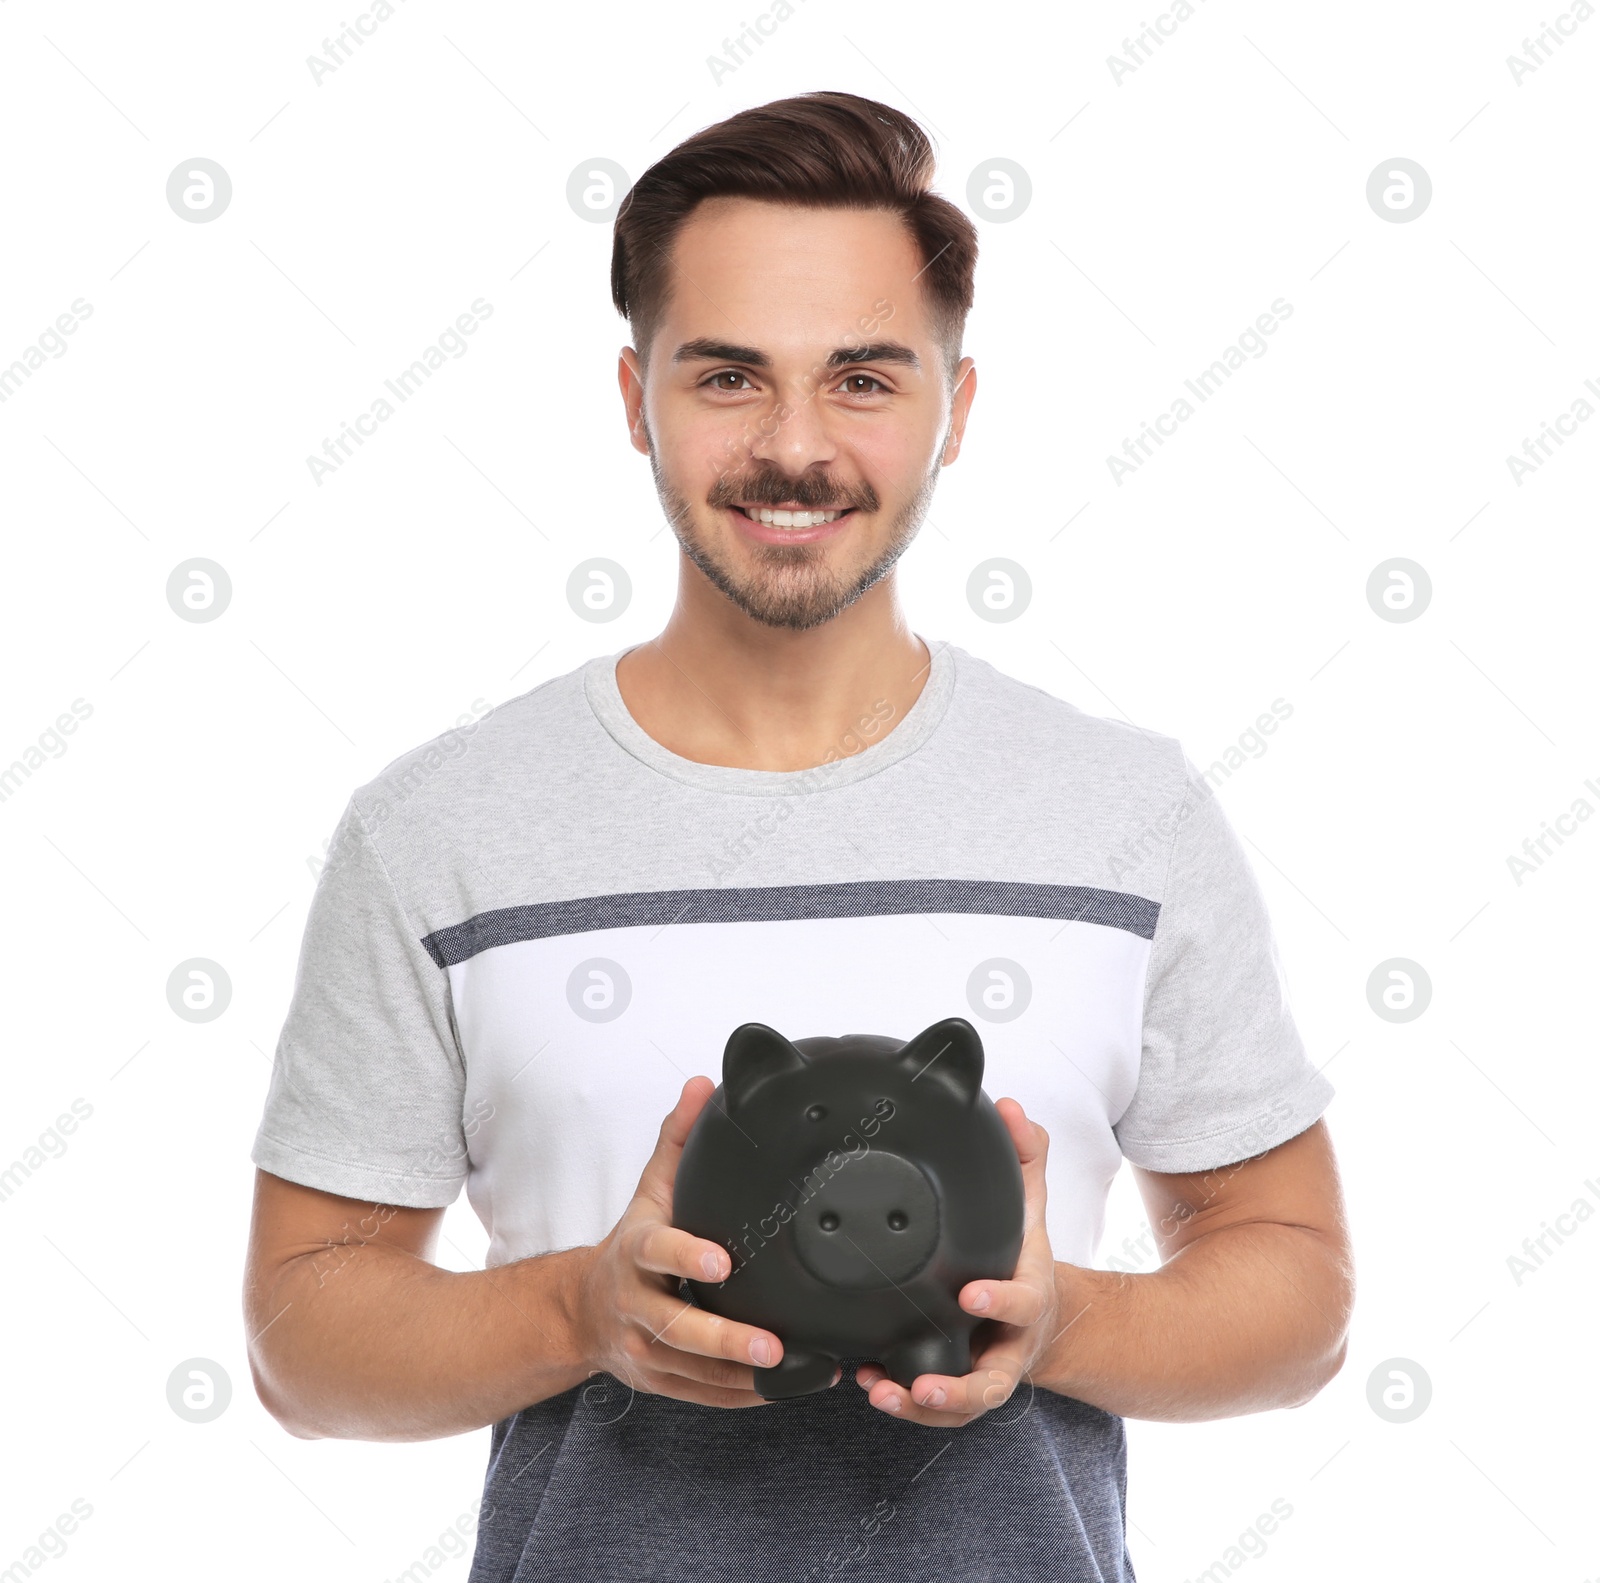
(531,930)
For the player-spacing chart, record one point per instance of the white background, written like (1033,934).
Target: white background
(369,611)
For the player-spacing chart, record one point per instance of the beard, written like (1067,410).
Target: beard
(791,585)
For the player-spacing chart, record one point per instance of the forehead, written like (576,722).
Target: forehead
(778,274)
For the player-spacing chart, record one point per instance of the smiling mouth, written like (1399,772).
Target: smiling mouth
(791,516)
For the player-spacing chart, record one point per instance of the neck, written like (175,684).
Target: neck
(716,687)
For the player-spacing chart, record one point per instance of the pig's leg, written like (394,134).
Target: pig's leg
(796,1373)
(933,1354)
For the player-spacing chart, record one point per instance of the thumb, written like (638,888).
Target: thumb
(661,1169)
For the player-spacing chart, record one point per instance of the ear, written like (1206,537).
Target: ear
(949,1053)
(754,1053)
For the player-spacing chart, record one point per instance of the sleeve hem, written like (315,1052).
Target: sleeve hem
(1240,1141)
(370,1183)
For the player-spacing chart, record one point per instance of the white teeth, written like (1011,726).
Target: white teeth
(789,519)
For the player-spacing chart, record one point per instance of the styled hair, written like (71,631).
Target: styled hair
(822,150)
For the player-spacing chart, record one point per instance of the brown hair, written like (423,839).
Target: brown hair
(820,150)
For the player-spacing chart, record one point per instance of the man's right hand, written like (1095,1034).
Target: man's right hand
(627,1315)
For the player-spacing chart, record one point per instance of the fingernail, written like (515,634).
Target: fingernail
(980,1301)
(761,1351)
(892,1403)
(934,1398)
(711,1263)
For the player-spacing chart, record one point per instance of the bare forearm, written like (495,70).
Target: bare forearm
(384,1346)
(1245,1318)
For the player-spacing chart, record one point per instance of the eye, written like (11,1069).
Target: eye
(816,1113)
(725,373)
(871,379)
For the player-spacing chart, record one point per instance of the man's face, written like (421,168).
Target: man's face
(795,370)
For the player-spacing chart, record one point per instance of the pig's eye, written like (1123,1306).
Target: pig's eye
(816,1113)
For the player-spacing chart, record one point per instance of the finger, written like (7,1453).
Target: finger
(664,1358)
(1030,1140)
(996,1370)
(943,1399)
(1032,1144)
(893,1399)
(680,1388)
(667,1359)
(652,1362)
(1019,1302)
(666,1250)
(692,1329)
(661,1169)
(871,1375)
(683,1388)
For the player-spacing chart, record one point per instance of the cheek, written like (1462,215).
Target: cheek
(897,456)
(699,448)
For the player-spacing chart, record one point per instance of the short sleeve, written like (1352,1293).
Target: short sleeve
(1223,1072)
(367,1081)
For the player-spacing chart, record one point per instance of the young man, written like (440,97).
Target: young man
(787,808)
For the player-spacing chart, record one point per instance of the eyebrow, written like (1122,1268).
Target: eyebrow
(707,350)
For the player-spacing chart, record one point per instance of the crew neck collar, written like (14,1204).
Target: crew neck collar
(902,738)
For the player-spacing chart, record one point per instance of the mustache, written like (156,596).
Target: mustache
(811,494)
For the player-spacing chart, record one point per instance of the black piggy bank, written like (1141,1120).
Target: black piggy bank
(858,1184)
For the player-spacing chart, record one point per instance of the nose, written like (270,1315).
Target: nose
(795,436)
(873,1222)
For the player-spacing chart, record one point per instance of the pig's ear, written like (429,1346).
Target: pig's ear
(949,1053)
(754,1053)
